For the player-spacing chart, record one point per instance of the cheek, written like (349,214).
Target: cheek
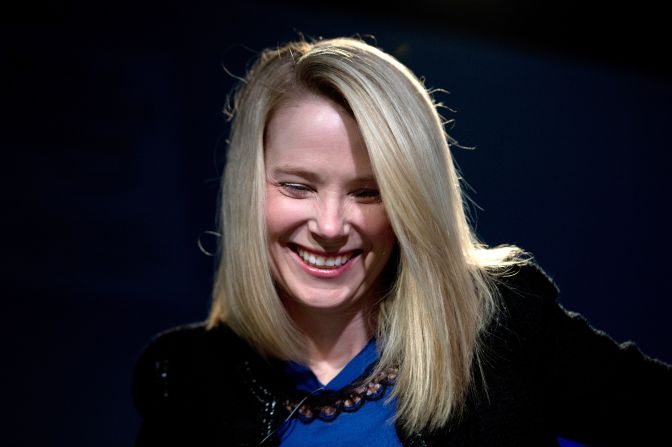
(283,215)
(379,229)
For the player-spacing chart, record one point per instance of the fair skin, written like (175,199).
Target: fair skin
(329,236)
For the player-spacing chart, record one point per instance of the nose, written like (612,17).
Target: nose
(330,221)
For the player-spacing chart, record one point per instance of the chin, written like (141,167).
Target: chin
(321,300)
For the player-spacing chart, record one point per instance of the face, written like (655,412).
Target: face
(329,236)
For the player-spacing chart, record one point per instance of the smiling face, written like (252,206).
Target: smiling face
(328,234)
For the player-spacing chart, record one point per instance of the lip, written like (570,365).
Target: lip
(324,273)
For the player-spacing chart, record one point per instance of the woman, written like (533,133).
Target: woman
(352,302)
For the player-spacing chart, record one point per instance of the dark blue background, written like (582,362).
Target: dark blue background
(113,138)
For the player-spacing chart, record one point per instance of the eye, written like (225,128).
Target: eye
(367,195)
(297,190)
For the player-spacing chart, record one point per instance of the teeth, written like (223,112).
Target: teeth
(323,261)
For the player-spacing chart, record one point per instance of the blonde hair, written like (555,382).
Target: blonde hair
(431,322)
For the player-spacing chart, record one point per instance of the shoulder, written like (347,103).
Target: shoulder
(527,279)
(178,366)
(191,343)
(575,378)
(175,340)
(529,314)
(191,381)
(527,295)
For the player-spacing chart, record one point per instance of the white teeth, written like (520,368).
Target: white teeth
(323,261)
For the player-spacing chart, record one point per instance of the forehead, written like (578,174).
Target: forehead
(313,131)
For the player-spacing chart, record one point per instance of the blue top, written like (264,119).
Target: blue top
(370,424)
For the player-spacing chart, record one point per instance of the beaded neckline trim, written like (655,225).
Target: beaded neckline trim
(327,405)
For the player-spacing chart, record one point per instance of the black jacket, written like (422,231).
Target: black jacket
(548,374)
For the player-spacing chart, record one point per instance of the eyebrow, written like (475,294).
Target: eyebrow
(312,176)
(295,171)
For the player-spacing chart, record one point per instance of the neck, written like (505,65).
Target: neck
(333,338)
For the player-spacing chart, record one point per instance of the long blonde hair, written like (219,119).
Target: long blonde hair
(431,322)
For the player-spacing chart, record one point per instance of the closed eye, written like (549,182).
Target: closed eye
(367,195)
(298,190)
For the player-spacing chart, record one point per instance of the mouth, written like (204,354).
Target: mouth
(324,261)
